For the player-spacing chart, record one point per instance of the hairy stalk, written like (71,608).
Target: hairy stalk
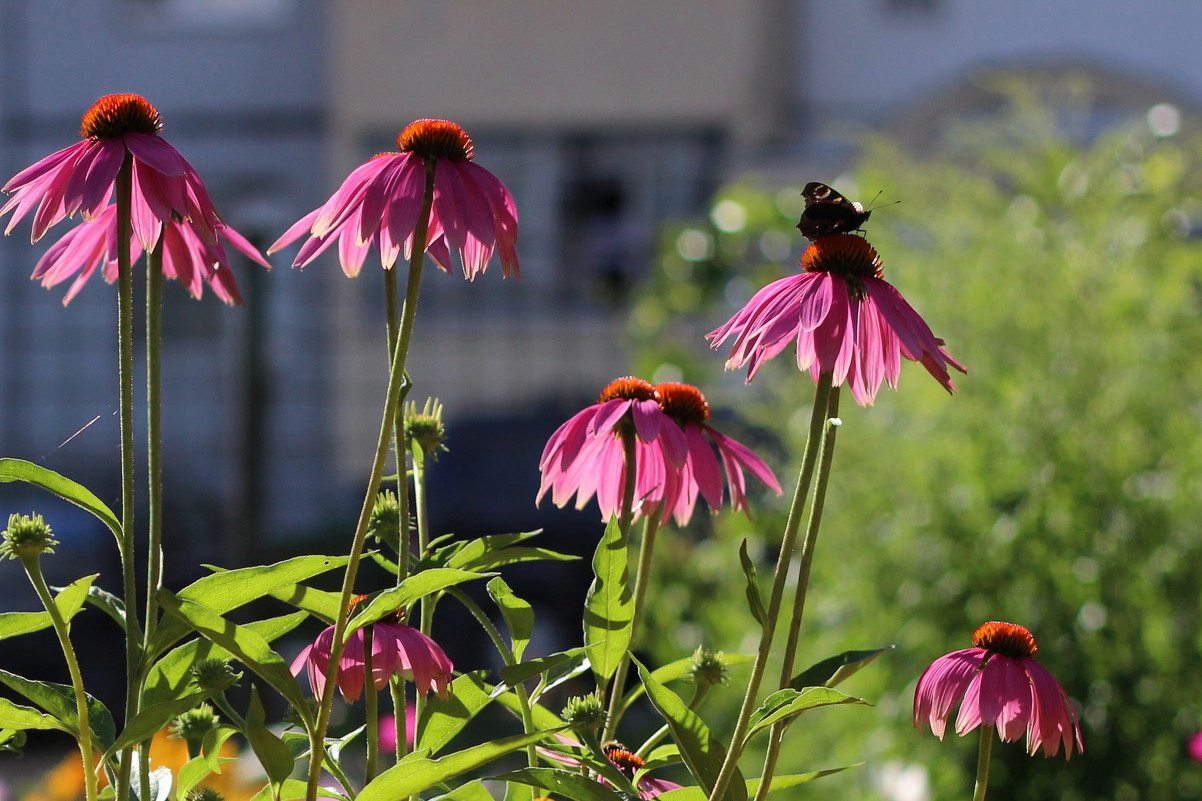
(387,427)
(400,716)
(983,754)
(125,375)
(399,446)
(371,709)
(641,578)
(817,504)
(700,691)
(818,419)
(33,568)
(425,605)
(154,438)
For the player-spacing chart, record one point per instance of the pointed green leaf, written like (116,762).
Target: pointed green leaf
(244,643)
(753,785)
(609,607)
(678,670)
(169,678)
(787,703)
(196,770)
(516,674)
(443,718)
(63,487)
(275,757)
(830,672)
(409,592)
(69,601)
(568,784)
(754,601)
(151,720)
(518,614)
(15,716)
(108,603)
(210,747)
(471,791)
(229,589)
(59,701)
(543,718)
(412,776)
(701,752)
(321,604)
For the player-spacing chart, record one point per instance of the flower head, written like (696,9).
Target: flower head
(379,203)
(26,536)
(396,649)
(80,178)
(674,460)
(626,761)
(845,319)
(998,683)
(187,257)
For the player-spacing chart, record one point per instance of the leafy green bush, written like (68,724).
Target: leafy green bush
(1061,488)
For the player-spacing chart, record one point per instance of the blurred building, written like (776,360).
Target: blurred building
(605,119)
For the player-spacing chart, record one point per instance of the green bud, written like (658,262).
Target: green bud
(214,676)
(385,521)
(708,667)
(424,429)
(193,725)
(584,712)
(26,535)
(204,794)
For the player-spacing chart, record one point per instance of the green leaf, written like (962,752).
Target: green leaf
(194,771)
(151,720)
(272,753)
(471,791)
(609,607)
(516,674)
(69,601)
(409,592)
(321,604)
(830,672)
(568,784)
(518,614)
(230,589)
(169,678)
(15,716)
(210,747)
(63,487)
(294,789)
(59,701)
(701,752)
(443,718)
(412,776)
(787,703)
(543,718)
(753,785)
(108,603)
(244,643)
(754,601)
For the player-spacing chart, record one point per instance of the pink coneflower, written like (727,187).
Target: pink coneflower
(674,460)
(845,318)
(378,204)
(187,257)
(80,178)
(1195,747)
(624,760)
(1000,685)
(686,406)
(396,650)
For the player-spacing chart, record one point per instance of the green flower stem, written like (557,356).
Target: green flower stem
(818,418)
(641,579)
(387,427)
(371,709)
(399,446)
(33,568)
(509,659)
(219,701)
(817,504)
(700,691)
(125,375)
(425,605)
(983,753)
(396,686)
(154,458)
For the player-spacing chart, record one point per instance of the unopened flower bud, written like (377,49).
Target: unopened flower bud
(424,429)
(708,667)
(584,712)
(194,725)
(205,794)
(384,524)
(214,676)
(26,535)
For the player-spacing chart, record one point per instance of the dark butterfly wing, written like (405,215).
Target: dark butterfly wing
(827,212)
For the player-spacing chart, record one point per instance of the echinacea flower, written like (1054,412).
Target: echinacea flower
(687,407)
(998,683)
(81,178)
(396,649)
(379,203)
(187,257)
(629,763)
(845,319)
(674,460)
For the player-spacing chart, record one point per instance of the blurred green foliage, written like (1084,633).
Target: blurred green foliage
(1060,488)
